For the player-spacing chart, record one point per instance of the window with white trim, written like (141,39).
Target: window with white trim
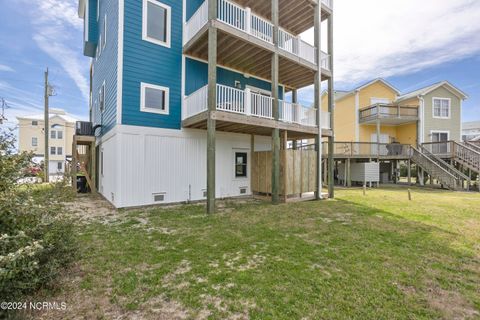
(59,166)
(241,164)
(53,134)
(59,151)
(59,134)
(101,97)
(156,24)
(441,108)
(34,141)
(154,98)
(53,150)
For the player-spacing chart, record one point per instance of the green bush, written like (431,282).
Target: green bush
(36,236)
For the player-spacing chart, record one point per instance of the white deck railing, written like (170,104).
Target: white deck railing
(196,22)
(328,3)
(245,20)
(325,61)
(196,102)
(253,104)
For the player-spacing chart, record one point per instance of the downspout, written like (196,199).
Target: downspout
(357,117)
(421,115)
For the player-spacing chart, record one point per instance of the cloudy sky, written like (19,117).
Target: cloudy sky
(411,43)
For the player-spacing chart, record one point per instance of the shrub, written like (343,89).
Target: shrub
(36,237)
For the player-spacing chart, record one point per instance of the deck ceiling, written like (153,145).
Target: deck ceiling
(295,16)
(248,58)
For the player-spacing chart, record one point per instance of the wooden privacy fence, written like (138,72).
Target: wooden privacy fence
(298,172)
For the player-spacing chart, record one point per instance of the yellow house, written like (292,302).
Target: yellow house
(377,111)
(62,129)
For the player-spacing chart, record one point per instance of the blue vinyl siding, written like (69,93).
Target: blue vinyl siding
(192,6)
(147,62)
(197,77)
(91,45)
(105,69)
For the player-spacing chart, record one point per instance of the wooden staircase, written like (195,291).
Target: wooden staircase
(467,155)
(440,170)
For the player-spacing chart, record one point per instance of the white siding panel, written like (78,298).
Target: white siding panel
(173,163)
(108,181)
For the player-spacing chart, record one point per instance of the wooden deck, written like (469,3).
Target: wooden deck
(248,54)
(239,123)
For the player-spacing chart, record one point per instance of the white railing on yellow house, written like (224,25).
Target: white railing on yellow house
(249,103)
(245,20)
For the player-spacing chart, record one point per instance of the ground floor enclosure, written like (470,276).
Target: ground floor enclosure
(141,166)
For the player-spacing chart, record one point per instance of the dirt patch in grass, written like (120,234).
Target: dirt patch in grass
(451,304)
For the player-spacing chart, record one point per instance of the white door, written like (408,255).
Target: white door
(384,138)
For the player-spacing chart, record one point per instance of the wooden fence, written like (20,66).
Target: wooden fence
(298,172)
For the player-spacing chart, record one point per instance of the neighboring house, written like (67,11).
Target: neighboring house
(471,131)
(61,131)
(150,77)
(377,110)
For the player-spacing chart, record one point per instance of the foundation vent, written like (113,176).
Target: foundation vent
(243,190)
(159,197)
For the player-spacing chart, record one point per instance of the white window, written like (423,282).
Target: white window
(156,22)
(53,134)
(104,38)
(34,141)
(59,134)
(59,166)
(441,108)
(101,97)
(53,150)
(59,151)
(154,98)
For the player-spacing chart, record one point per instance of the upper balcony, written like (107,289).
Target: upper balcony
(245,39)
(244,111)
(388,114)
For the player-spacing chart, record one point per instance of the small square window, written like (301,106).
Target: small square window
(34,123)
(154,99)
(34,142)
(156,22)
(240,164)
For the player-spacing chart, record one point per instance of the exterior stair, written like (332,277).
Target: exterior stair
(467,155)
(446,174)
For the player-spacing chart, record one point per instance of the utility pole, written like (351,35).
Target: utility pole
(4,106)
(46,131)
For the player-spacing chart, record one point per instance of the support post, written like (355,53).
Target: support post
(74,164)
(409,171)
(331,110)
(378,136)
(212,101)
(349,173)
(294,101)
(93,163)
(46,124)
(275,109)
(318,97)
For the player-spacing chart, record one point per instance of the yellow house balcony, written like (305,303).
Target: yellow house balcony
(388,114)
(243,111)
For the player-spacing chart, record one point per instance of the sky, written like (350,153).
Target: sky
(410,43)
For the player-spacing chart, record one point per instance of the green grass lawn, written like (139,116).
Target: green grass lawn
(378,256)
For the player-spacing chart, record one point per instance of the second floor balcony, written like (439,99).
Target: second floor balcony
(388,114)
(245,111)
(247,35)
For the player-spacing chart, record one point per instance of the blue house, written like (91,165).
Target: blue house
(184,92)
